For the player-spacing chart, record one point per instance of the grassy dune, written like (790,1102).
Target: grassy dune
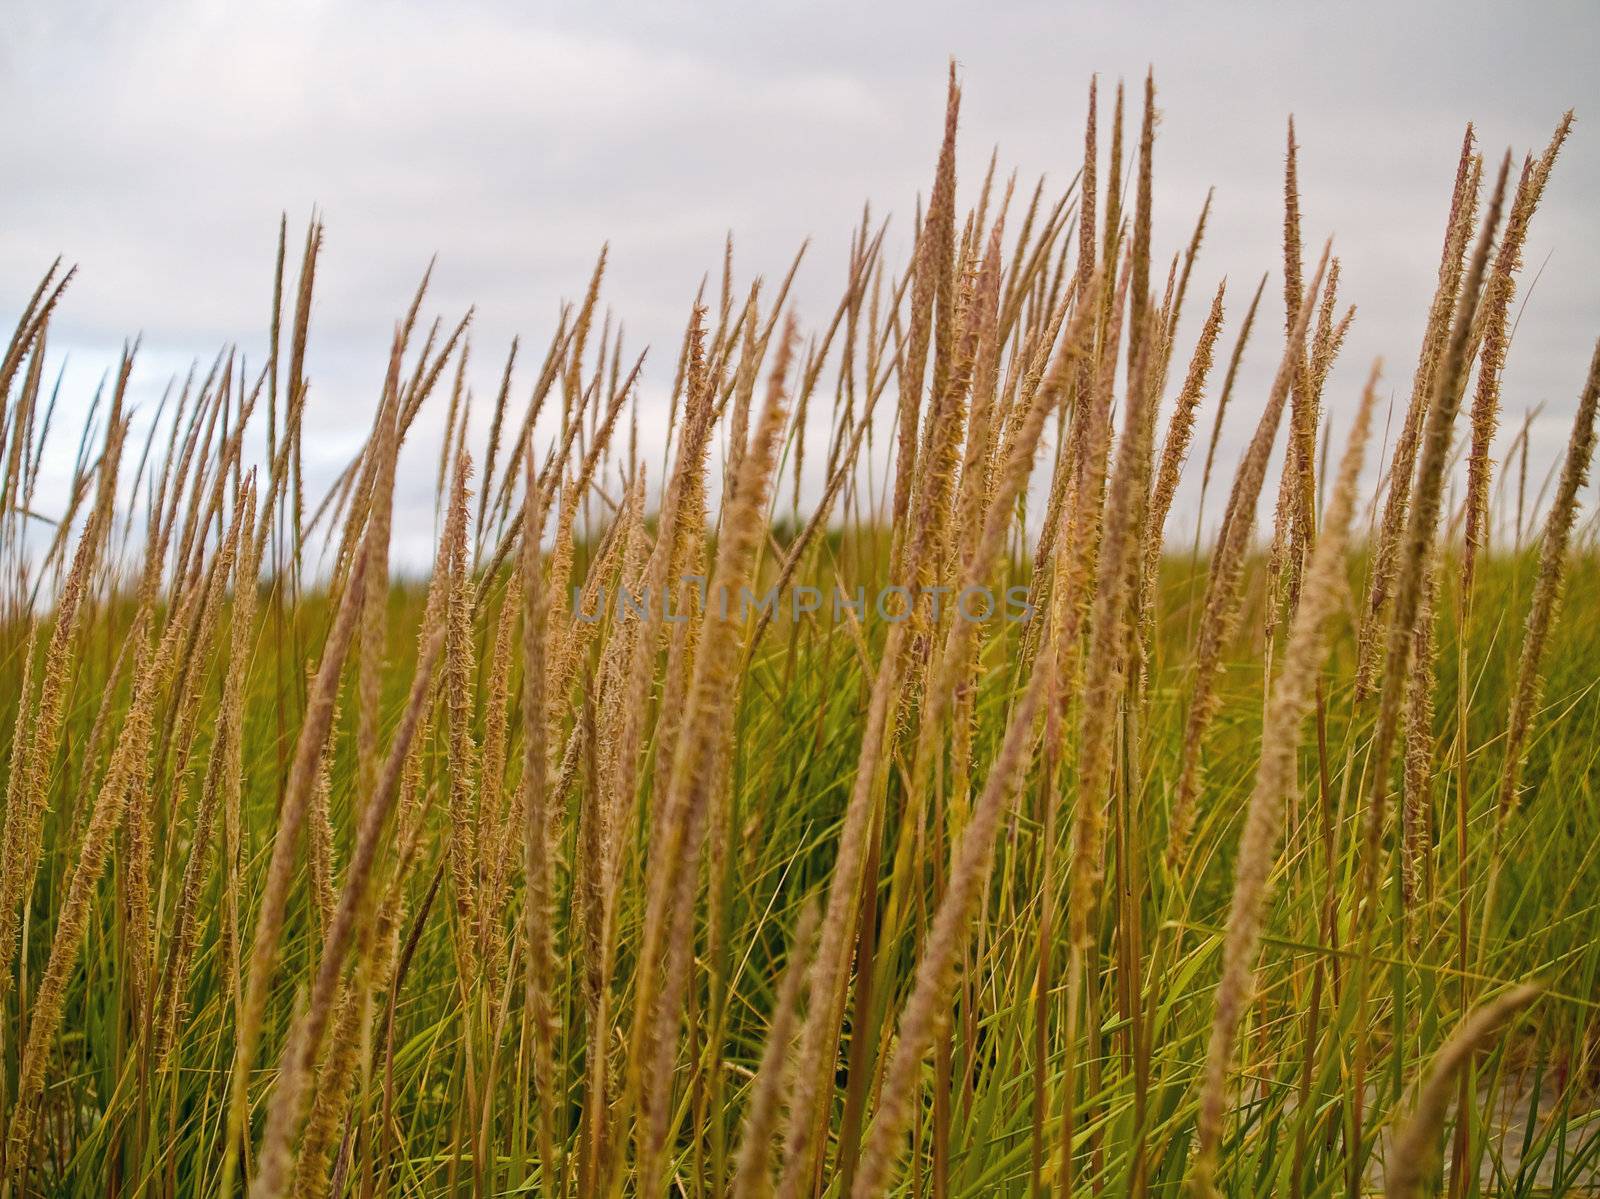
(1262,863)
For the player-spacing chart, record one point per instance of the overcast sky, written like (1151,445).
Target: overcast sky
(156,144)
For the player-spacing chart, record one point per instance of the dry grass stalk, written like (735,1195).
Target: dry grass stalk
(274,899)
(1174,452)
(1416,800)
(927,1007)
(1422,519)
(216,787)
(306,1035)
(125,775)
(954,663)
(1498,294)
(932,269)
(1291,700)
(26,806)
(701,749)
(1222,403)
(1415,1151)
(1458,233)
(1222,585)
(1547,590)
(538,916)
(753,1179)
(459,654)
(1139,285)
(374,619)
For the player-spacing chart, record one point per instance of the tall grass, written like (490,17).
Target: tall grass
(551,875)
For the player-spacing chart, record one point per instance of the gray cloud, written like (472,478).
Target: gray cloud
(156,148)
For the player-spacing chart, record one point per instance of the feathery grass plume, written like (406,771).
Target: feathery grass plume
(1104,670)
(319,829)
(977,484)
(926,1008)
(949,270)
(1547,590)
(1175,450)
(23,811)
(427,374)
(454,425)
(1105,661)
(1498,294)
(17,420)
(1111,244)
(1291,701)
(1090,451)
(824,1018)
(572,379)
(389,959)
(593,899)
(953,661)
(274,899)
(753,1175)
(521,446)
(982,431)
(569,636)
(1417,777)
(820,1033)
(683,545)
(202,628)
(1139,286)
(496,423)
(26,807)
(1222,405)
(230,934)
(1458,233)
(1326,343)
(744,387)
(314,1166)
(220,785)
(375,612)
(293,497)
(19,735)
(665,943)
(1420,530)
(214,401)
(1086,191)
(14,777)
(1222,599)
(32,322)
(369,500)
(1286,512)
(1291,232)
(305,1037)
(1421,522)
(1063,472)
(681,514)
(1189,255)
(188,690)
(937,469)
(933,265)
(497,826)
(538,915)
(1414,1153)
(459,652)
(615,660)
(125,775)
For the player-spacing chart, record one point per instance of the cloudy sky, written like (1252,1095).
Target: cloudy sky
(156,144)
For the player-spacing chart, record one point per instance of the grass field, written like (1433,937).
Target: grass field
(1263,859)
